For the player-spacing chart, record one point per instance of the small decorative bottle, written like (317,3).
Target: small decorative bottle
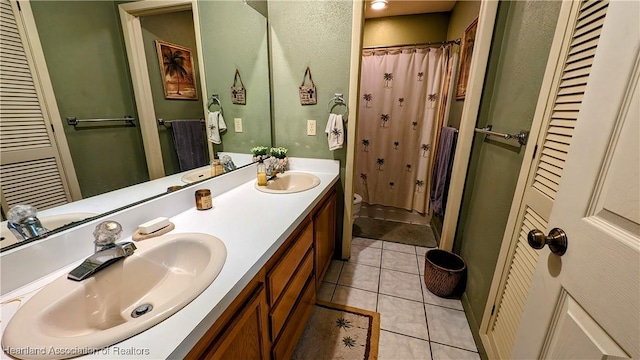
(262,174)
(216,166)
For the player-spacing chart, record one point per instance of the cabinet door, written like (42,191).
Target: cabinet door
(246,334)
(324,228)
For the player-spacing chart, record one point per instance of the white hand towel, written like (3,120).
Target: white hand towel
(335,132)
(216,125)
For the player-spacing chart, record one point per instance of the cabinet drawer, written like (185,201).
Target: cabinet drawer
(284,306)
(281,274)
(283,349)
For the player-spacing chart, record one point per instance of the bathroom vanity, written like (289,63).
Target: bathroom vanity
(278,248)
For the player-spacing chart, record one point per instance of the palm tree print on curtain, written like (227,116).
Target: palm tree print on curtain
(365,145)
(367,98)
(432,98)
(384,118)
(396,125)
(388,78)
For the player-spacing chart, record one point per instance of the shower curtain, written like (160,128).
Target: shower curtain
(401,92)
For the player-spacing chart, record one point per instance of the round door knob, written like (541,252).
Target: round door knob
(557,240)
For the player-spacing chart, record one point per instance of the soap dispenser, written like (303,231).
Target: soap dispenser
(262,174)
(216,166)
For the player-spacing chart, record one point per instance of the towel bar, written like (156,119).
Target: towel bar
(73,121)
(167,123)
(521,137)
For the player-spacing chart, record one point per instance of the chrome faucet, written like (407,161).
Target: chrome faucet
(23,222)
(106,253)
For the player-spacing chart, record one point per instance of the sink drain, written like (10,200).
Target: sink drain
(141,310)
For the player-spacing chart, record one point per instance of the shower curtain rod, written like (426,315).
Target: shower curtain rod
(456,41)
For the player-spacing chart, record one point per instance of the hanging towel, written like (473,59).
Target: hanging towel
(216,125)
(335,132)
(442,170)
(189,140)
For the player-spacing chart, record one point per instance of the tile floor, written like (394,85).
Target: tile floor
(415,324)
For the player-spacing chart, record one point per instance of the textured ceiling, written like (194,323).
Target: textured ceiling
(404,7)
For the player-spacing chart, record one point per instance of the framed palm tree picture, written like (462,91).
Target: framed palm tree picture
(465,59)
(178,71)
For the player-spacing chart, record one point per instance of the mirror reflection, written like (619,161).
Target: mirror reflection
(95,167)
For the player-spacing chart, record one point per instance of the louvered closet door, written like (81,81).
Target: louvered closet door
(30,167)
(572,54)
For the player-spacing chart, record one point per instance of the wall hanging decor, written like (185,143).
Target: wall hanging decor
(238,93)
(465,59)
(177,69)
(308,95)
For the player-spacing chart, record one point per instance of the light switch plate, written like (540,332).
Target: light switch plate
(237,124)
(311,127)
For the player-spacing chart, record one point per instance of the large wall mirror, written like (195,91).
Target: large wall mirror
(89,65)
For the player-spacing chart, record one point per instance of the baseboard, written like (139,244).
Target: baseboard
(473,324)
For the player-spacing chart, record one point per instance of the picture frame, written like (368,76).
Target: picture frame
(468,42)
(177,70)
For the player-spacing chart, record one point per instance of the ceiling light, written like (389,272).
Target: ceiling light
(378,4)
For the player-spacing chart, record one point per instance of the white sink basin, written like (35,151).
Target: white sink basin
(290,182)
(167,272)
(196,175)
(50,222)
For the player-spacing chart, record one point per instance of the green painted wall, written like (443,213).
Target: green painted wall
(463,13)
(87,63)
(315,34)
(407,29)
(234,36)
(520,48)
(176,28)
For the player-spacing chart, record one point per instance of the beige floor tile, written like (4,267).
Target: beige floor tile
(365,256)
(325,291)
(400,284)
(394,346)
(333,272)
(355,297)
(402,316)
(409,249)
(360,277)
(450,327)
(398,261)
(443,352)
(431,298)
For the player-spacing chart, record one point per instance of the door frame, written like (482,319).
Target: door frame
(484,36)
(130,14)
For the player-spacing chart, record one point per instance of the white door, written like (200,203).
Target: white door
(586,303)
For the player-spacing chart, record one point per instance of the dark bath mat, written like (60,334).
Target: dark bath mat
(410,234)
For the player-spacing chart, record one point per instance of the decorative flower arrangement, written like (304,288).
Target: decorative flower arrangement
(280,157)
(259,153)
(279,152)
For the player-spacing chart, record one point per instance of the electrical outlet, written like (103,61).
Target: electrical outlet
(311,127)
(237,124)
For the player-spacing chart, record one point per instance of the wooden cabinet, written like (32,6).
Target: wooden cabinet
(324,233)
(268,317)
(241,332)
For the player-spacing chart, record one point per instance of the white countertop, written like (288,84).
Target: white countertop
(252,224)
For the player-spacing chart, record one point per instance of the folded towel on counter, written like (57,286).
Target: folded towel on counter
(335,132)
(216,125)
(188,138)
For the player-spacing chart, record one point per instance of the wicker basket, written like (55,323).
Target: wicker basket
(443,270)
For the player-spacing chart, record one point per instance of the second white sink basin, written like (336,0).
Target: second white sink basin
(196,175)
(290,182)
(166,272)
